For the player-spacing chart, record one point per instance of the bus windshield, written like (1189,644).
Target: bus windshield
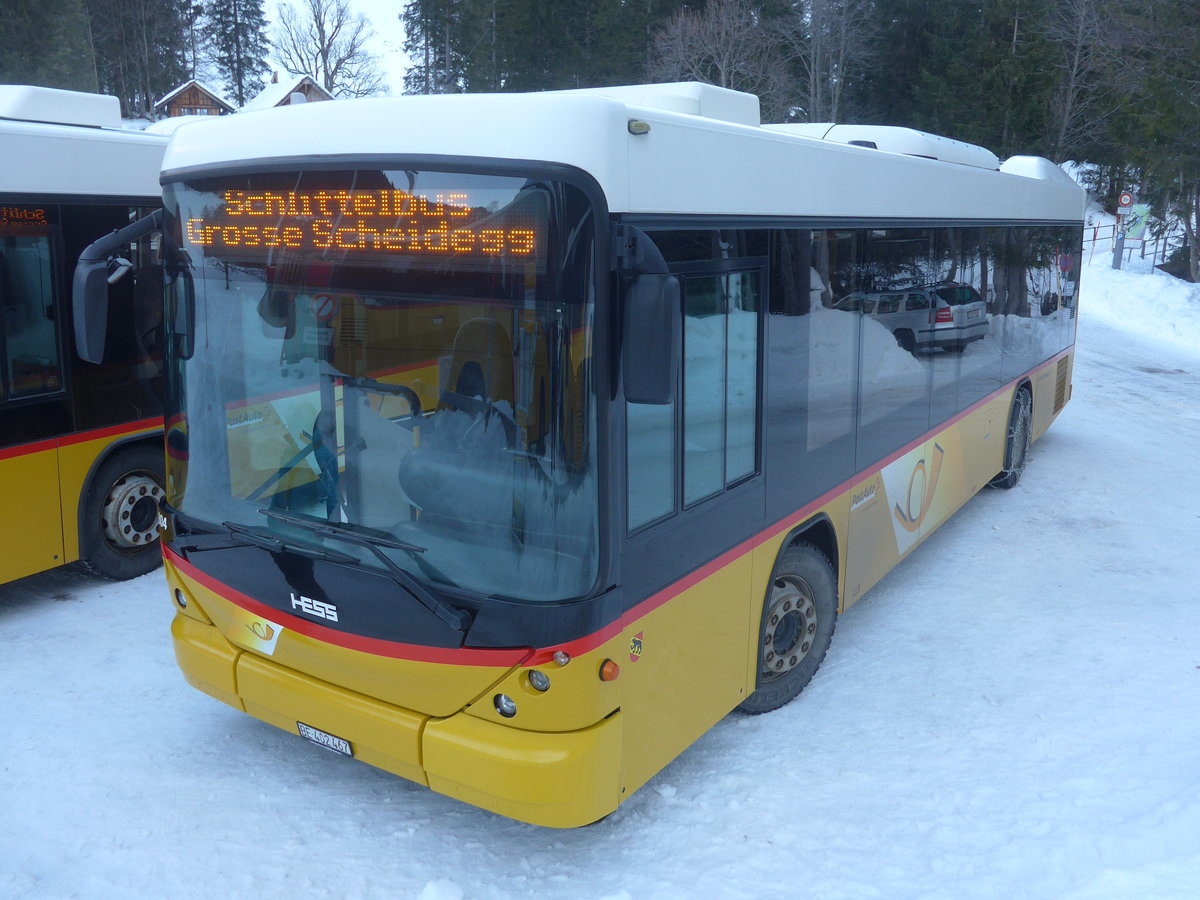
(389,362)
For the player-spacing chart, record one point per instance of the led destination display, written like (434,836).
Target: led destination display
(383,220)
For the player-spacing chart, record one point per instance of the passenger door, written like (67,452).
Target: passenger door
(694,494)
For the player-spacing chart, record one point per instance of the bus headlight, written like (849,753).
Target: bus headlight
(505,705)
(539,679)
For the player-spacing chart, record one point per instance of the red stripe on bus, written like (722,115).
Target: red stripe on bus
(80,437)
(464,656)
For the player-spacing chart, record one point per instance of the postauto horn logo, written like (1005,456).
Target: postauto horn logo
(921,486)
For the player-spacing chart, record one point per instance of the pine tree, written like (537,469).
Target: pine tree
(140,49)
(46,42)
(240,46)
(434,41)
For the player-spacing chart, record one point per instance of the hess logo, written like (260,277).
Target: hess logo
(313,607)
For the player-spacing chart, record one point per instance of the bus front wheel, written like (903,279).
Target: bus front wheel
(120,516)
(799,616)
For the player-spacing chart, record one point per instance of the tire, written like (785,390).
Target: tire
(119,537)
(799,615)
(905,340)
(1016,445)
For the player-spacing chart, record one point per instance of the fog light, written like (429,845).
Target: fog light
(506,706)
(539,679)
(180,599)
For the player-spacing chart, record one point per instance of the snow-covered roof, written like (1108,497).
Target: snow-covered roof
(30,103)
(167,98)
(274,94)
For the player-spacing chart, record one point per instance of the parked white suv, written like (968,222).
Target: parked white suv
(947,315)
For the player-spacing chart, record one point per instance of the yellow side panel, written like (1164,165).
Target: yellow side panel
(685,669)
(1046,390)
(559,780)
(982,435)
(383,736)
(206,659)
(31,532)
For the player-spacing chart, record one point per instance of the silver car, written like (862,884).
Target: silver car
(947,315)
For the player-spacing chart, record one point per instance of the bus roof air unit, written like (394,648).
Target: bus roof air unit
(689,97)
(894,139)
(39,104)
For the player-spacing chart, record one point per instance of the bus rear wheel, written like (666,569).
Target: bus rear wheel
(120,515)
(1016,445)
(799,616)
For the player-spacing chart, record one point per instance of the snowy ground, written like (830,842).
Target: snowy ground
(1014,712)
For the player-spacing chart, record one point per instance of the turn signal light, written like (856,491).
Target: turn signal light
(609,670)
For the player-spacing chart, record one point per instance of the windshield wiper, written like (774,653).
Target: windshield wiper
(458,619)
(255,537)
(336,529)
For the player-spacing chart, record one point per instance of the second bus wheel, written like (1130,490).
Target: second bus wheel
(119,539)
(799,616)
(1016,446)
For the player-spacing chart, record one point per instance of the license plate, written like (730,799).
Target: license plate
(972,314)
(325,739)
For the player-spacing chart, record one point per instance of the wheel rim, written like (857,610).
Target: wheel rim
(129,516)
(790,628)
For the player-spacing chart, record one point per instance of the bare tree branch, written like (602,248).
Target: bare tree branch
(325,40)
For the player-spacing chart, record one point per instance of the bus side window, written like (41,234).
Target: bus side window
(29,354)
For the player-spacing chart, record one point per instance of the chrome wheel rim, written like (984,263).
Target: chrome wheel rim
(791,626)
(129,516)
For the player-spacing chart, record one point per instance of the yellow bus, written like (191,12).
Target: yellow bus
(81,463)
(515,440)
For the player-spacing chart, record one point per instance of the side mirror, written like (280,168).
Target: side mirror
(650,348)
(180,300)
(96,269)
(653,321)
(89,292)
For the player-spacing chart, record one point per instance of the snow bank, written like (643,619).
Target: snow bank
(1151,304)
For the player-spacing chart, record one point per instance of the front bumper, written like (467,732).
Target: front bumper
(561,780)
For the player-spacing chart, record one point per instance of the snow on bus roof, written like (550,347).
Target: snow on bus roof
(29,103)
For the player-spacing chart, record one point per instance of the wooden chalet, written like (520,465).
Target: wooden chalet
(192,98)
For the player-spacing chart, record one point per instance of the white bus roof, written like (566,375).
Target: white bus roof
(29,103)
(69,144)
(701,151)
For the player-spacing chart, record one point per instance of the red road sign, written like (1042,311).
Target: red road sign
(325,306)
